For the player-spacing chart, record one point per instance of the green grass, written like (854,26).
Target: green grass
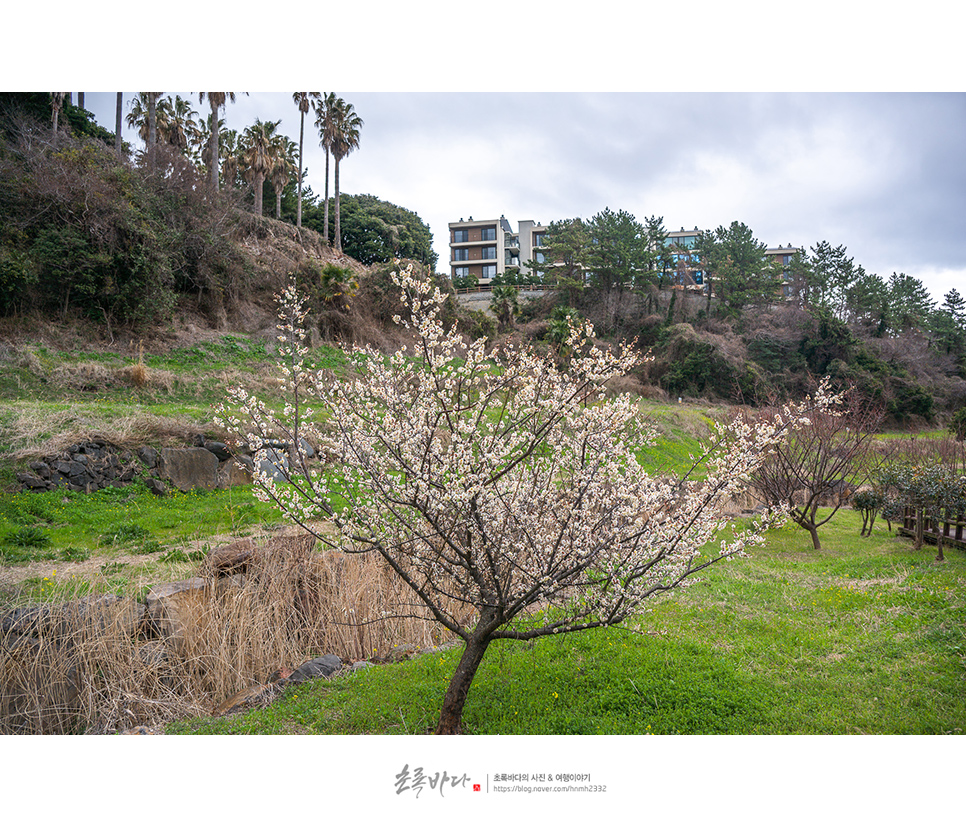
(865,636)
(70,526)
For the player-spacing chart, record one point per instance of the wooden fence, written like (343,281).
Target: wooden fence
(953,532)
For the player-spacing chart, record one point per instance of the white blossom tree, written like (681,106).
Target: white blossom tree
(502,488)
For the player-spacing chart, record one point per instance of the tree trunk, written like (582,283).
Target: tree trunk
(152,128)
(451,716)
(259,182)
(326,196)
(337,240)
(213,144)
(118,119)
(298,217)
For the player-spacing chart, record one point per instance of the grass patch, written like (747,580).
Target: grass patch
(75,525)
(865,636)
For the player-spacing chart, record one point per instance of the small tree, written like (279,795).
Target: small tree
(935,492)
(509,509)
(506,305)
(818,464)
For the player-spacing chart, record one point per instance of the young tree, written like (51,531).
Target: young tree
(565,254)
(617,251)
(509,509)
(819,464)
(506,305)
(733,261)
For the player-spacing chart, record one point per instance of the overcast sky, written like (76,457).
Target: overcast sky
(882,173)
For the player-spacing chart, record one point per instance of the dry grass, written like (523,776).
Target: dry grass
(34,432)
(98,673)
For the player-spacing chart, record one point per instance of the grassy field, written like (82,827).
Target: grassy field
(863,637)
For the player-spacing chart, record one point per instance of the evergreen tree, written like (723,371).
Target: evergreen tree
(736,269)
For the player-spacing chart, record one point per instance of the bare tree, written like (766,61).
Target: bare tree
(820,464)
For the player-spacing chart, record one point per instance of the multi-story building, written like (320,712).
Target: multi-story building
(483,249)
(686,259)
(783,255)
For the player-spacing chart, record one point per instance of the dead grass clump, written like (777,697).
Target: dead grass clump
(78,671)
(118,665)
(36,432)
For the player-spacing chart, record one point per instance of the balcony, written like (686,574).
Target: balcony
(511,242)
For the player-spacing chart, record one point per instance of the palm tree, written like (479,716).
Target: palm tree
(284,151)
(345,139)
(144,115)
(179,124)
(258,156)
(303,101)
(229,152)
(216,100)
(325,109)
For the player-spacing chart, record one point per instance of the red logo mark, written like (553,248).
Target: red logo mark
(476,787)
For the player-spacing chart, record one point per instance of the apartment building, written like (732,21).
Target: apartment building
(483,249)
(783,255)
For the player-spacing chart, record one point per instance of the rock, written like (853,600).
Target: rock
(234,557)
(173,607)
(233,473)
(219,450)
(254,696)
(157,487)
(31,481)
(259,695)
(403,652)
(189,469)
(91,614)
(359,665)
(148,456)
(320,667)
(273,463)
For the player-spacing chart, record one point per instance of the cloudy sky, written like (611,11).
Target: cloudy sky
(882,173)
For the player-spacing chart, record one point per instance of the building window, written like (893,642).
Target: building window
(460,236)
(461,254)
(538,238)
(540,257)
(461,272)
(489,273)
(488,233)
(488,253)
(786,260)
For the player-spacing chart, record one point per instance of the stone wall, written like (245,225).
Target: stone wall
(95,464)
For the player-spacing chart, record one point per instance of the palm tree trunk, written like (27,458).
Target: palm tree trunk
(152,128)
(213,144)
(298,217)
(259,183)
(278,204)
(118,119)
(326,224)
(337,242)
